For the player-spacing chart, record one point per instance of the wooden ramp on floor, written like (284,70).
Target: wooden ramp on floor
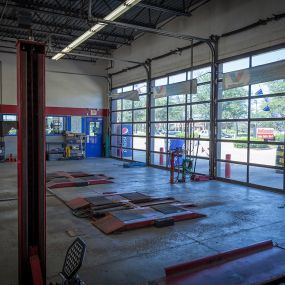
(261,263)
(124,220)
(62,179)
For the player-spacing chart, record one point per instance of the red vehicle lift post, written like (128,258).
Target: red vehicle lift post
(31,162)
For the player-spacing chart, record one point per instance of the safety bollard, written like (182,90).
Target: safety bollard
(172,155)
(228,166)
(121,152)
(161,150)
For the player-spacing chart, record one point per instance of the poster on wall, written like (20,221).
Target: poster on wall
(76,124)
(132,95)
(185,87)
(254,75)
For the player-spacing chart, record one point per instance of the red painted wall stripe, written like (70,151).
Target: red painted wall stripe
(63,111)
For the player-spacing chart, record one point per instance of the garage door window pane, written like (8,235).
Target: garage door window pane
(139,143)
(141,87)
(271,87)
(176,130)
(127,104)
(234,93)
(116,141)
(116,129)
(177,78)
(198,111)
(159,129)
(159,114)
(176,99)
(266,177)
(141,103)
(265,107)
(160,81)
(157,143)
(268,57)
(116,152)
(235,65)
(232,130)
(127,116)
(139,129)
(266,154)
(159,101)
(176,113)
(139,156)
(116,105)
(202,74)
(116,117)
(268,130)
(238,172)
(139,115)
(236,150)
(233,109)
(159,159)
(203,94)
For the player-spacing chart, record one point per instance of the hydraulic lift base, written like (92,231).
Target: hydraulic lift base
(261,263)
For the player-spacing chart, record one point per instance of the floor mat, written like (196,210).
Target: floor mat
(63,179)
(136,197)
(99,201)
(168,209)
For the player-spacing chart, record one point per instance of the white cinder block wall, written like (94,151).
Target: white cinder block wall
(215,18)
(81,89)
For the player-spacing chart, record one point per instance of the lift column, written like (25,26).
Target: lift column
(31,162)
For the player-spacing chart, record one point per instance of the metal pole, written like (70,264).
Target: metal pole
(31,162)
(213,45)
(147,67)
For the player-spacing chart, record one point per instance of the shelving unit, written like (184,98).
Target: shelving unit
(76,143)
(55,150)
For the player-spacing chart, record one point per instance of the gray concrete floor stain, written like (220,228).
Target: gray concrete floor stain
(236,216)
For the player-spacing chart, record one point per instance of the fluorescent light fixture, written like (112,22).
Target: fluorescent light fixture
(123,8)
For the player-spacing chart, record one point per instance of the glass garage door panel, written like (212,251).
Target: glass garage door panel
(116,117)
(139,115)
(203,94)
(233,110)
(176,99)
(237,151)
(158,144)
(268,107)
(202,166)
(116,152)
(232,171)
(199,112)
(141,103)
(159,129)
(176,113)
(266,177)
(159,159)
(234,93)
(139,143)
(139,129)
(232,130)
(264,154)
(159,114)
(139,156)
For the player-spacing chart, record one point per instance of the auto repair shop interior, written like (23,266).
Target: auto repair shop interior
(142,142)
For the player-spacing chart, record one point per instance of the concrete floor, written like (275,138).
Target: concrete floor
(236,216)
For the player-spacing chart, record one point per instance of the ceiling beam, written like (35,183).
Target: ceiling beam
(57,10)
(58,44)
(127,39)
(107,44)
(163,9)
